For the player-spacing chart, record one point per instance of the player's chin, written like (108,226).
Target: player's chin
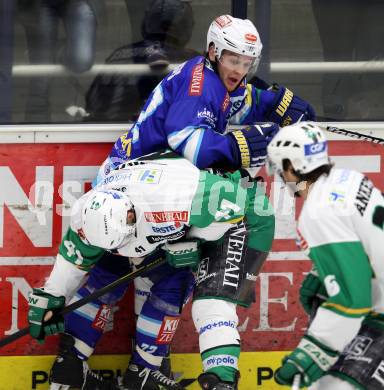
(231,85)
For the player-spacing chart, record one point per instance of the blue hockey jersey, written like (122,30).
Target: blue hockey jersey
(189,111)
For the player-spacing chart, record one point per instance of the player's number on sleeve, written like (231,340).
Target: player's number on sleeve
(72,251)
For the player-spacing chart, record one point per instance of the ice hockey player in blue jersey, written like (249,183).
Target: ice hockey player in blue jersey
(189,112)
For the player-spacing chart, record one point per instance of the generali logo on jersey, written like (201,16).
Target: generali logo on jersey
(196,84)
(166,216)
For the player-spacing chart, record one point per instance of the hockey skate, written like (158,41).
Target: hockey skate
(142,378)
(210,381)
(71,372)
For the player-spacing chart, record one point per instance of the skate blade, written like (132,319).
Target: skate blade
(58,386)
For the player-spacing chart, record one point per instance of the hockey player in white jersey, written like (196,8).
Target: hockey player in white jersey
(147,204)
(341,229)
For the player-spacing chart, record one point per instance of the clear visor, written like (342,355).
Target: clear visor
(239,63)
(129,233)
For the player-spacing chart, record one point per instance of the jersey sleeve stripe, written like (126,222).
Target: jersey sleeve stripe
(192,146)
(347,310)
(176,138)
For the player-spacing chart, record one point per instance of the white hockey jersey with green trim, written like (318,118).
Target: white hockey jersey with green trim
(341,227)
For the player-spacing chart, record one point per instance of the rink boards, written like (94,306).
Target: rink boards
(32,372)
(39,182)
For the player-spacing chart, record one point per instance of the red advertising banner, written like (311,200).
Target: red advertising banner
(40,182)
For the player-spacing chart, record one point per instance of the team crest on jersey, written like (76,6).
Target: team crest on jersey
(223,21)
(197,79)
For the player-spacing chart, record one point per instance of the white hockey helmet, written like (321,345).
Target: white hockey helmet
(303,143)
(104,219)
(236,35)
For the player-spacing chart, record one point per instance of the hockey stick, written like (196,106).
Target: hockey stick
(81,302)
(296,382)
(354,134)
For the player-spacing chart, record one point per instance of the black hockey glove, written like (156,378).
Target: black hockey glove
(250,144)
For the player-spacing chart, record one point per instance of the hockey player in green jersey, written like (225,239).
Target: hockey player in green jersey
(341,229)
(146,204)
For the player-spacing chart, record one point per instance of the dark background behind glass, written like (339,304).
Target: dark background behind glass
(291,31)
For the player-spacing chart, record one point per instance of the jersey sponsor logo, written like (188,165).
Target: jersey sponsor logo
(312,149)
(363,195)
(167,330)
(216,325)
(232,271)
(102,318)
(149,176)
(174,236)
(250,38)
(225,103)
(284,103)
(196,84)
(223,21)
(379,373)
(220,360)
(208,116)
(166,216)
(358,346)
(116,178)
(164,229)
(202,272)
(337,196)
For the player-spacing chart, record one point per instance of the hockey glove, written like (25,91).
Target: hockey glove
(310,359)
(182,254)
(288,108)
(311,289)
(250,144)
(40,303)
